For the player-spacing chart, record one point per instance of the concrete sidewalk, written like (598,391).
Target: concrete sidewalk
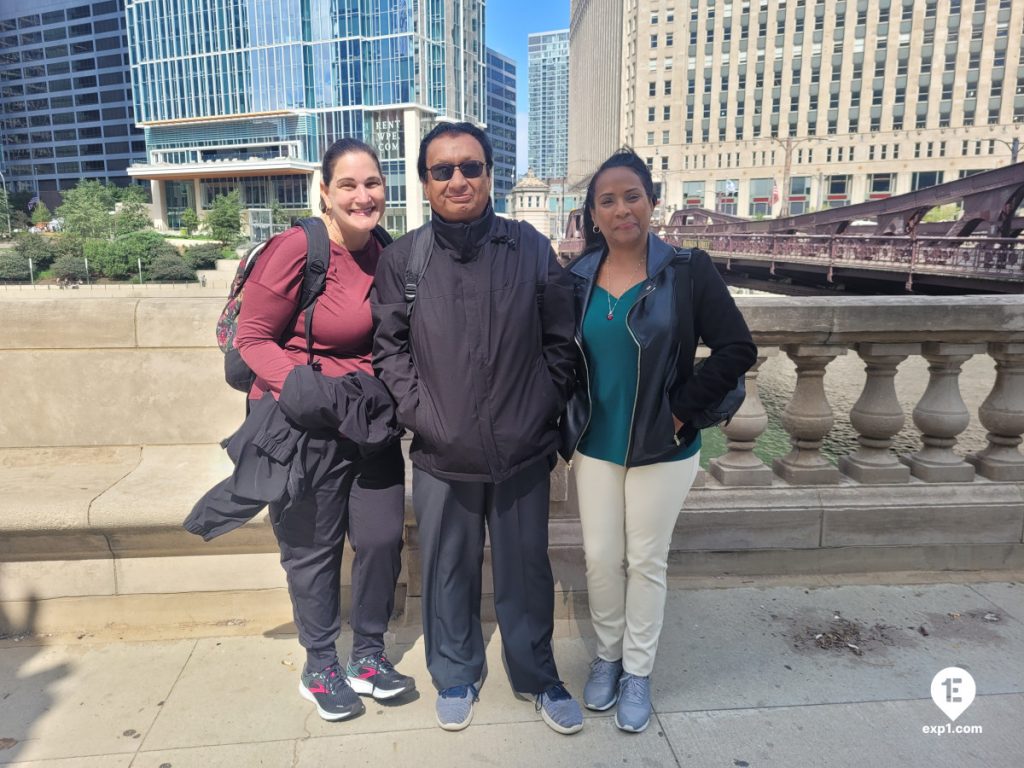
(740,682)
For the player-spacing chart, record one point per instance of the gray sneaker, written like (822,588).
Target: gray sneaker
(634,711)
(455,706)
(602,688)
(559,709)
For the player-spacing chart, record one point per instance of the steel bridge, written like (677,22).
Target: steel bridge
(877,246)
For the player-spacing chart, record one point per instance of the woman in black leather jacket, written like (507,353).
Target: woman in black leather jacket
(632,427)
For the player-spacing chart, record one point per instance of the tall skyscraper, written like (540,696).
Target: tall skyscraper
(549,103)
(752,108)
(595,98)
(242,95)
(65,95)
(500,111)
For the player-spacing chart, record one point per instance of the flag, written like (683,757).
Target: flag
(34,201)
(775,192)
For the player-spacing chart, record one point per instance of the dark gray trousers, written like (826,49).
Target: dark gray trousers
(451,518)
(364,499)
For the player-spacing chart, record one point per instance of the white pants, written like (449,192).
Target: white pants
(628,516)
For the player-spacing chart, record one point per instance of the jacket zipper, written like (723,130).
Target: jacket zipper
(590,407)
(639,350)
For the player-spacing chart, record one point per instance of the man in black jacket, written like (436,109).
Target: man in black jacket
(479,355)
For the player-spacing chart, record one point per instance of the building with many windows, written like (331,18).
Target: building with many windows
(548,132)
(595,106)
(500,112)
(239,95)
(65,96)
(759,108)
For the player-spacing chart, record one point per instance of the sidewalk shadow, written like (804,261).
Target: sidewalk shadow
(24,697)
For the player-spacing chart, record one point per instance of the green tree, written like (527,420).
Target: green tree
(30,245)
(189,220)
(6,222)
(132,211)
(41,214)
(86,210)
(224,218)
(949,212)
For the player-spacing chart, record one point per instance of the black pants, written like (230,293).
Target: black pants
(451,517)
(364,499)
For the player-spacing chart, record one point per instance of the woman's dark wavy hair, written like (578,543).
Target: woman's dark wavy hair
(344,147)
(623,158)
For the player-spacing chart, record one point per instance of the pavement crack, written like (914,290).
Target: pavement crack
(662,734)
(160,707)
(986,598)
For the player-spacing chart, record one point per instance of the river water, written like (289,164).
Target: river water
(844,382)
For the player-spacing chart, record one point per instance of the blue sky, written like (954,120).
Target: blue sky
(508,24)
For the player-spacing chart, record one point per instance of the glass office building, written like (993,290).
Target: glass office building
(501,125)
(65,101)
(549,103)
(247,94)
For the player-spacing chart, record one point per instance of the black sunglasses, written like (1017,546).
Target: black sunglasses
(471,169)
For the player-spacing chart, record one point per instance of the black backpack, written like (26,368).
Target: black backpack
(314,279)
(722,411)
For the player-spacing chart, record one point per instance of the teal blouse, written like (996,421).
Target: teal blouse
(613,361)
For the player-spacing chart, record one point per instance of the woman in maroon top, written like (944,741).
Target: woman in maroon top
(363,498)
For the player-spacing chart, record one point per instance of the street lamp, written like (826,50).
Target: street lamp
(788,144)
(1013,145)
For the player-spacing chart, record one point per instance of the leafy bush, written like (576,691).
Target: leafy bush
(119,258)
(86,209)
(203,256)
(69,267)
(67,245)
(29,245)
(13,266)
(170,267)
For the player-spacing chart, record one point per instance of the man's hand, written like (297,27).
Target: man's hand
(678,424)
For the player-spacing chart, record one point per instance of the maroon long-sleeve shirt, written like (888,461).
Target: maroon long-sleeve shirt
(272,339)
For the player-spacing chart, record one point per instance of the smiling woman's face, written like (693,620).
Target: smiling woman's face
(621,209)
(355,195)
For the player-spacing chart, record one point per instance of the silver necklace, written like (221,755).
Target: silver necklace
(613,304)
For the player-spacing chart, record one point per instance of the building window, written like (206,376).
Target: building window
(924,179)
(881,185)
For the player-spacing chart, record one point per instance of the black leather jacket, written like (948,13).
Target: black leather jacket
(666,336)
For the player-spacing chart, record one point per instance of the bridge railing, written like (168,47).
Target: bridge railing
(959,256)
(939,332)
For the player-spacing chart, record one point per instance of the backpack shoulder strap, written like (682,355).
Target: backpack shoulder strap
(382,236)
(314,278)
(419,256)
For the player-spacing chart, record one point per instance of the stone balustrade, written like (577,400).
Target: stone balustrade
(113,408)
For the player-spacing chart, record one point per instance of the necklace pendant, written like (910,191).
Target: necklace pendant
(611,315)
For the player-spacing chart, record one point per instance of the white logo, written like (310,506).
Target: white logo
(953,691)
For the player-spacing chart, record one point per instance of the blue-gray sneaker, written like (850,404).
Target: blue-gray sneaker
(634,711)
(455,706)
(602,688)
(559,709)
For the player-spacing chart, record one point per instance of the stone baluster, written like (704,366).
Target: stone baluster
(740,466)
(941,415)
(877,416)
(808,417)
(1002,414)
